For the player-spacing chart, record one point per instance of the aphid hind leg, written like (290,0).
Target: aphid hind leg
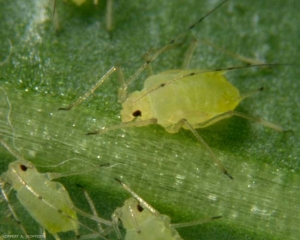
(12,211)
(194,223)
(93,208)
(201,140)
(189,53)
(242,115)
(239,57)
(102,231)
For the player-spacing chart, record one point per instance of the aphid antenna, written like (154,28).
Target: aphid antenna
(173,41)
(194,223)
(194,73)
(78,160)
(137,227)
(13,152)
(125,83)
(143,203)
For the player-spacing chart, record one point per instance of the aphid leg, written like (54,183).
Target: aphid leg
(109,14)
(91,91)
(122,90)
(193,223)
(101,231)
(170,44)
(56,237)
(12,211)
(92,207)
(242,115)
(232,54)
(115,221)
(125,125)
(258,120)
(146,57)
(189,53)
(201,140)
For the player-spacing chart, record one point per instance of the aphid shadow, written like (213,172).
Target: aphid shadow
(226,135)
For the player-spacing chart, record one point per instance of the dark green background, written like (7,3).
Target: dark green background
(48,69)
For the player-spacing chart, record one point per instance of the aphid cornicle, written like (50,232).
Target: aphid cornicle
(48,202)
(142,221)
(176,99)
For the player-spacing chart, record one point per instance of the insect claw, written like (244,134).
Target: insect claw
(66,108)
(93,133)
(228,174)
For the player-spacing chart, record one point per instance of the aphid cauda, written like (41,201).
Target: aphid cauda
(176,99)
(48,202)
(142,221)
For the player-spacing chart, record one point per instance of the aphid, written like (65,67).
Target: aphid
(109,13)
(48,202)
(176,99)
(142,221)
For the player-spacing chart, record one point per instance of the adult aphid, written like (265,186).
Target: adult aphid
(142,221)
(48,202)
(176,99)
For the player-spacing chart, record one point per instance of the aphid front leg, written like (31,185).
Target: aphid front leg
(189,53)
(91,91)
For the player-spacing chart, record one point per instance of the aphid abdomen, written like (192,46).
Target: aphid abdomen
(196,98)
(52,208)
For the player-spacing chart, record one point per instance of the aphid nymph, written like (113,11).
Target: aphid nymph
(142,221)
(48,202)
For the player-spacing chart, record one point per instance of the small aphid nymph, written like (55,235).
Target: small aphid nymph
(142,221)
(48,202)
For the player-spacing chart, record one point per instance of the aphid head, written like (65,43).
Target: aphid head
(19,172)
(136,107)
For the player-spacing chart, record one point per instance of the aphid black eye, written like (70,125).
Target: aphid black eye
(139,208)
(137,113)
(23,167)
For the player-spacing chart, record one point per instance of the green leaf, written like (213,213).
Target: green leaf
(49,68)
